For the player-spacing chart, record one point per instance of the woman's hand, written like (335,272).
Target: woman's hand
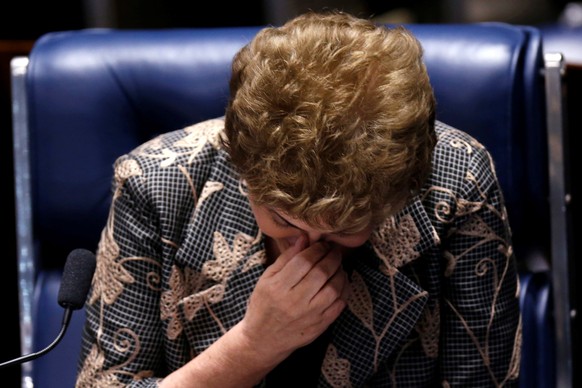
(296,299)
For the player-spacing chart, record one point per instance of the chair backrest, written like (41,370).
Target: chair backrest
(90,95)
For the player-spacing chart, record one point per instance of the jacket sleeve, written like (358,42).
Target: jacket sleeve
(123,333)
(480,317)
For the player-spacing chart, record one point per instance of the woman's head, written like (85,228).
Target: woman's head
(331,119)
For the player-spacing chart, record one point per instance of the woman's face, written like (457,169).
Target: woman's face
(284,230)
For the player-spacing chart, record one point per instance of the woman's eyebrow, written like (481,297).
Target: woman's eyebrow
(274,212)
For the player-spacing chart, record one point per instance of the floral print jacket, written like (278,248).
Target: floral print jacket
(433,303)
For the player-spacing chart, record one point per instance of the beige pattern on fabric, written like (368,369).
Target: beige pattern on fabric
(259,258)
(207,131)
(226,259)
(108,284)
(428,329)
(462,143)
(92,374)
(465,207)
(480,230)
(185,287)
(124,171)
(395,241)
(208,189)
(110,274)
(516,355)
(193,303)
(360,303)
(182,282)
(336,370)
(476,227)
(200,134)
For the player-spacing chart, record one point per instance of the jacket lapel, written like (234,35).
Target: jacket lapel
(385,305)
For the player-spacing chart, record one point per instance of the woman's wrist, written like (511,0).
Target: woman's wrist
(234,360)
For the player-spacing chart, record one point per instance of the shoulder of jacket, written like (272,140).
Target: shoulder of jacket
(193,144)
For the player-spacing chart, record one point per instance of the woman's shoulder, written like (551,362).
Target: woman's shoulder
(191,137)
(175,160)
(457,146)
(459,156)
(194,144)
(455,138)
(170,168)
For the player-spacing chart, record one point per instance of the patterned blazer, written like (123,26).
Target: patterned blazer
(434,294)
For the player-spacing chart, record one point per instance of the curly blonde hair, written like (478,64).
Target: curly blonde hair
(331,119)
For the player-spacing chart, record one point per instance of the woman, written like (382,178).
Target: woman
(326,231)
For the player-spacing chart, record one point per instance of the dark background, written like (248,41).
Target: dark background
(22,22)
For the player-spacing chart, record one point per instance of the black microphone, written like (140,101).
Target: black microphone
(75,284)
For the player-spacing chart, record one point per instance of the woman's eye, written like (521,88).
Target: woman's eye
(346,234)
(281,222)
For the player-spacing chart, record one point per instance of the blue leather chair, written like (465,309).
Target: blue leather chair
(91,95)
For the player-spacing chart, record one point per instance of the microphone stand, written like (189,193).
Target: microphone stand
(22,359)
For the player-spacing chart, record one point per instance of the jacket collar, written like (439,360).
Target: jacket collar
(405,236)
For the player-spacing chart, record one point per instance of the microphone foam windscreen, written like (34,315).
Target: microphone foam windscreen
(76,280)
